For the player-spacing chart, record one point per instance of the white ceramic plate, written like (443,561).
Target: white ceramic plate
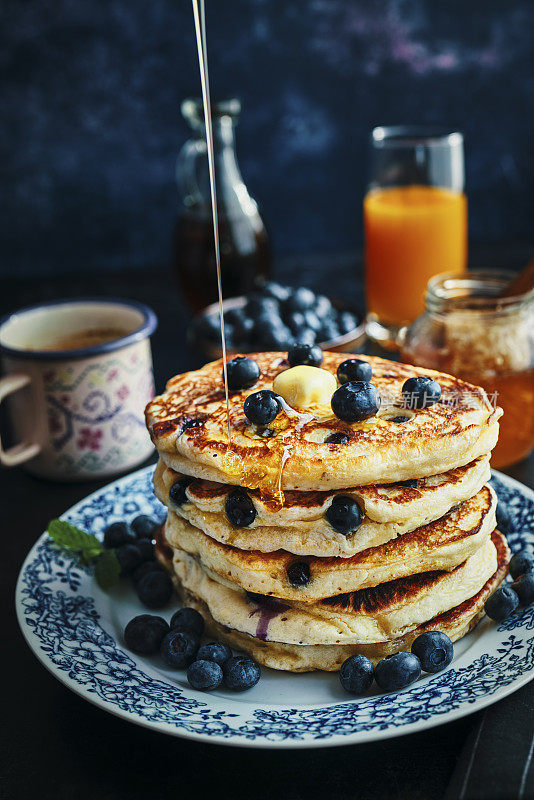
(75,630)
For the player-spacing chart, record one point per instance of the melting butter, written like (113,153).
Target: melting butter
(303,386)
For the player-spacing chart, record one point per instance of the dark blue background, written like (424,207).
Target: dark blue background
(91,124)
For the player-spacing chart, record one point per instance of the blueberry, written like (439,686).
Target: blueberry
(344,514)
(397,671)
(241,673)
(215,651)
(306,336)
(356,674)
(311,320)
(298,573)
(129,557)
(188,620)
(296,321)
(144,633)
(354,369)
(327,332)
(239,508)
(154,589)
(146,548)
(520,563)
(421,392)
(177,492)
(262,407)
(144,526)
(355,401)
(207,326)
(304,354)
(178,649)
(118,533)
(434,650)
(411,483)
(501,604)
(276,290)
(144,568)
(524,588)
(301,299)
(242,373)
(338,437)
(504,518)
(204,675)
(347,322)
(322,307)
(276,336)
(258,303)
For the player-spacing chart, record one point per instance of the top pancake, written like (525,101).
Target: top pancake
(188,425)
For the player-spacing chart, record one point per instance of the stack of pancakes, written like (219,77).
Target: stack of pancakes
(288,588)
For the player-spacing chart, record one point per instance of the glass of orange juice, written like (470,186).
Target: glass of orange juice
(415,221)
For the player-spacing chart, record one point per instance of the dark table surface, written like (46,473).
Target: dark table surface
(58,746)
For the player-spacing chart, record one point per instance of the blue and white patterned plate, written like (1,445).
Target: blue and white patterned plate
(75,629)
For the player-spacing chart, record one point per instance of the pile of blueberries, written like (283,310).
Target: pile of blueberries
(178,643)
(134,548)
(274,317)
(507,598)
(432,651)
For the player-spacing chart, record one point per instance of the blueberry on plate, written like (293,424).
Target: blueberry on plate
(300,299)
(239,508)
(242,373)
(214,651)
(354,369)
(177,492)
(178,649)
(524,588)
(356,674)
(146,548)
(355,401)
(421,392)
(504,518)
(144,568)
(397,671)
(262,407)
(434,650)
(129,557)
(338,437)
(241,673)
(144,526)
(154,589)
(344,514)
(520,563)
(310,356)
(298,574)
(501,603)
(144,633)
(188,620)
(118,533)
(204,675)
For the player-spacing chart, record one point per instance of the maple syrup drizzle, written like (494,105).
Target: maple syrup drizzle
(202,48)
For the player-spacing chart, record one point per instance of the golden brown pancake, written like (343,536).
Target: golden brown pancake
(300,525)
(456,623)
(188,425)
(441,545)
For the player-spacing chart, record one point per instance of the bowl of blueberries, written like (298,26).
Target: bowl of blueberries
(275,317)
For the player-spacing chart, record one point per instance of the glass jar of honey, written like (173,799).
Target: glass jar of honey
(473,329)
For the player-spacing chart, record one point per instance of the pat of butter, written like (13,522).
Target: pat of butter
(303,386)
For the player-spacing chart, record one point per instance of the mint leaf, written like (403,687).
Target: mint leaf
(107,569)
(66,535)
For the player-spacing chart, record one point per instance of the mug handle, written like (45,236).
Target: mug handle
(23,451)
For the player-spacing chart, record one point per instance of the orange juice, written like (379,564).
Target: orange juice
(411,233)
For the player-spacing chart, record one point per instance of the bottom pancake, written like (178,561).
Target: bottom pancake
(456,623)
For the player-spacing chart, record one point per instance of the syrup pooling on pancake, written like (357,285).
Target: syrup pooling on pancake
(380,450)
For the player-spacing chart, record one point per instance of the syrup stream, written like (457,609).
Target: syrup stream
(202,47)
